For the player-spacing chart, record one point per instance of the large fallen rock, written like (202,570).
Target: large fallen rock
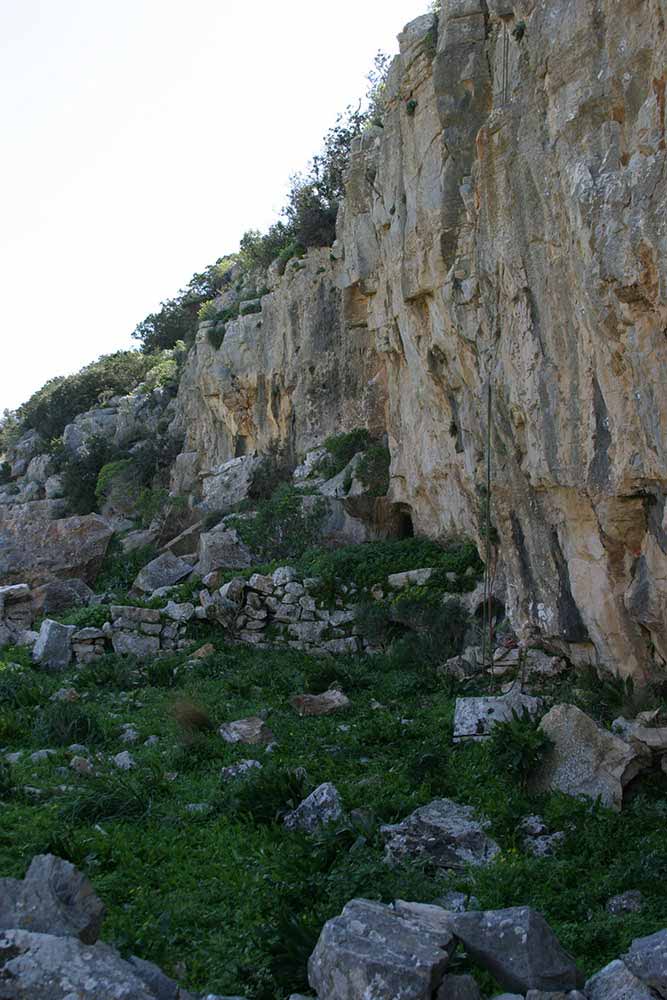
(60,595)
(586,759)
(372,950)
(474,718)
(53,898)
(252,730)
(617,982)
(320,704)
(647,959)
(443,832)
(35,549)
(223,549)
(518,948)
(53,648)
(164,571)
(230,483)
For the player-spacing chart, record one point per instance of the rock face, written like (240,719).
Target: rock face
(35,549)
(503,229)
(323,806)
(53,648)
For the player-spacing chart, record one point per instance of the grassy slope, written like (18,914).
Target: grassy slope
(238,900)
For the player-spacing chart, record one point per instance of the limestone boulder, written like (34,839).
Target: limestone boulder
(617,982)
(373,950)
(447,834)
(647,959)
(53,648)
(164,571)
(60,595)
(321,808)
(35,549)
(222,548)
(321,704)
(474,718)
(518,948)
(585,759)
(252,730)
(230,483)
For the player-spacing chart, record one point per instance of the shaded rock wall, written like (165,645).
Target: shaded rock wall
(506,227)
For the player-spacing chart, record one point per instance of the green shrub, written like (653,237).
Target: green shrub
(60,723)
(20,687)
(58,401)
(80,473)
(281,528)
(90,617)
(373,470)
(7,783)
(5,473)
(518,746)
(116,796)
(265,795)
(110,475)
(216,335)
(207,311)
(9,726)
(119,569)
(342,448)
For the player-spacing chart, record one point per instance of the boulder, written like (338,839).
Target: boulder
(617,982)
(631,901)
(144,647)
(179,612)
(443,832)
(53,898)
(647,959)
(230,483)
(374,950)
(160,986)
(44,967)
(252,730)
(458,988)
(652,737)
(586,759)
(320,704)
(518,948)
(319,809)
(164,571)
(410,578)
(474,718)
(53,648)
(60,595)
(35,549)
(223,548)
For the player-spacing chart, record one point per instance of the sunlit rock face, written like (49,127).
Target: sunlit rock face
(506,229)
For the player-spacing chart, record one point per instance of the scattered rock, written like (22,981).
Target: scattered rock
(164,571)
(251,730)
(536,838)
(179,612)
(458,988)
(124,760)
(616,982)
(323,806)
(474,718)
(320,704)
(518,948)
(203,652)
(143,647)
(40,755)
(653,738)
(60,595)
(81,765)
(586,759)
(444,832)
(373,950)
(65,694)
(222,548)
(411,578)
(457,902)
(631,901)
(238,770)
(53,648)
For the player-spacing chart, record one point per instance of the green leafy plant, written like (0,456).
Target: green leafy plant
(60,723)
(342,448)
(518,746)
(283,526)
(373,469)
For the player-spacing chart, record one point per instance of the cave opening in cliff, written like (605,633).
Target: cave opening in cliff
(405,525)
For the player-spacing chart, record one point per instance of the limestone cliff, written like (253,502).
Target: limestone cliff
(506,229)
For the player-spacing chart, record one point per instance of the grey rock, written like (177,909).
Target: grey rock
(53,898)
(444,832)
(586,759)
(474,718)
(410,578)
(264,584)
(179,612)
(144,647)
(617,982)
(40,755)
(160,986)
(647,959)
(319,809)
(44,967)
(229,483)
(164,571)
(61,595)
(457,902)
(124,760)
(223,548)
(458,988)
(631,901)
(252,730)
(519,948)
(320,704)
(374,950)
(53,648)
(233,590)
(240,769)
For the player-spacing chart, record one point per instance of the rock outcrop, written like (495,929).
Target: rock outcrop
(500,250)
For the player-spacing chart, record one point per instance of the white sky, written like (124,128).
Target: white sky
(140,139)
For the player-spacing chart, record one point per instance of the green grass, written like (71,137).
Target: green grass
(231,892)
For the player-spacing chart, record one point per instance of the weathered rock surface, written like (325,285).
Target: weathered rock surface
(53,648)
(617,982)
(446,833)
(519,948)
(647,959)
(321,807)
(321,704)
(474,718)
(223,549)
(586,759)
(164,571)
(252,730)
(372,950)
(35,548)
(53,898)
